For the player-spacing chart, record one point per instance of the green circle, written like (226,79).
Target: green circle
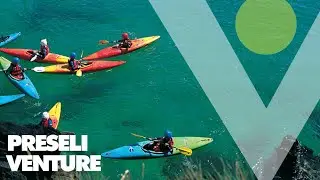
(266,26)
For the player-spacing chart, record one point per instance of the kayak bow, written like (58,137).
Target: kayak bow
(27,54)
(11,37)
(112,51)
(55,113)
(138,151)
(88,67)
(10,98)
(25,85)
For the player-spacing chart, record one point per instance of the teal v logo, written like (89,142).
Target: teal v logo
(256,129)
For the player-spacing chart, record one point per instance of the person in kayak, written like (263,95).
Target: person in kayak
(44,50)
(73,63)
(15,70)
(162,144)
(46,121)
(3,38)
(125,42)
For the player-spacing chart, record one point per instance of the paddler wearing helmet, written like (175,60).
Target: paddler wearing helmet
(15,70)
(46,121)
(44,50)
(162,144)
(125,42)
(4,38)
(72,62)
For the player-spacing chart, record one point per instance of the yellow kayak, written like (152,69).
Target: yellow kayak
(55,113)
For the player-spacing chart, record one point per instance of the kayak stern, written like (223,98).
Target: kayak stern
(10,98)
(20,53)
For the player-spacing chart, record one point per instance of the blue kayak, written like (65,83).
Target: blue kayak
(24,85)
(141,150)
(10,98)
(9,38)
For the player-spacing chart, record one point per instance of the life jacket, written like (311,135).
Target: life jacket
(125,43)
(16,70)
(44,50)
(46,122)
(73,64)
(161,147)
(156,148)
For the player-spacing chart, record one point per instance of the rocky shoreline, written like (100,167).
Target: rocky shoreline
(7,128)
(300,163)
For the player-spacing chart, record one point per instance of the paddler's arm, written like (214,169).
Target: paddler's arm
(118,41)
(155,139)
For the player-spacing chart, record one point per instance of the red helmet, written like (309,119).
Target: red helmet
(125,36)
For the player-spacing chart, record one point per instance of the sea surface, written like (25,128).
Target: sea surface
(154,91)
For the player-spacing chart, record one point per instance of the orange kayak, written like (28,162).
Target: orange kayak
(91,66)
(27,54)
(115,51)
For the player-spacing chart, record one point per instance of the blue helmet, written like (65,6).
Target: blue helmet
(168,134)
(15,60)
(73,55)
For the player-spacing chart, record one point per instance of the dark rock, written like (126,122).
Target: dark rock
(299,164)
(7,128)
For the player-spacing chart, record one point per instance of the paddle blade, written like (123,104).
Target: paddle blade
(103,42)
(81,54)
(185,151)
(79,73)
(38,69)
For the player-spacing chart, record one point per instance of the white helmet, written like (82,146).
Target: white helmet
(45,115)
(44,42)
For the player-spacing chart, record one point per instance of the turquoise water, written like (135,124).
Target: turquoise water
(153,91)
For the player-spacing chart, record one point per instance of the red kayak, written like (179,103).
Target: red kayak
(27,54)
(115,51)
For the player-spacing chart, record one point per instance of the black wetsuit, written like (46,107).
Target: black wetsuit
(164,144)
(125,43)
(73,64)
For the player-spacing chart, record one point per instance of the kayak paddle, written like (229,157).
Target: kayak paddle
(184,150)
(79,72)
(137,135)
(102,42)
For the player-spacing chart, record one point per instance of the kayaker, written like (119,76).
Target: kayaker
(125,42)
(163,144)
(73,63)
(3,38)
(15,70)
(44,50)
(46,121)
